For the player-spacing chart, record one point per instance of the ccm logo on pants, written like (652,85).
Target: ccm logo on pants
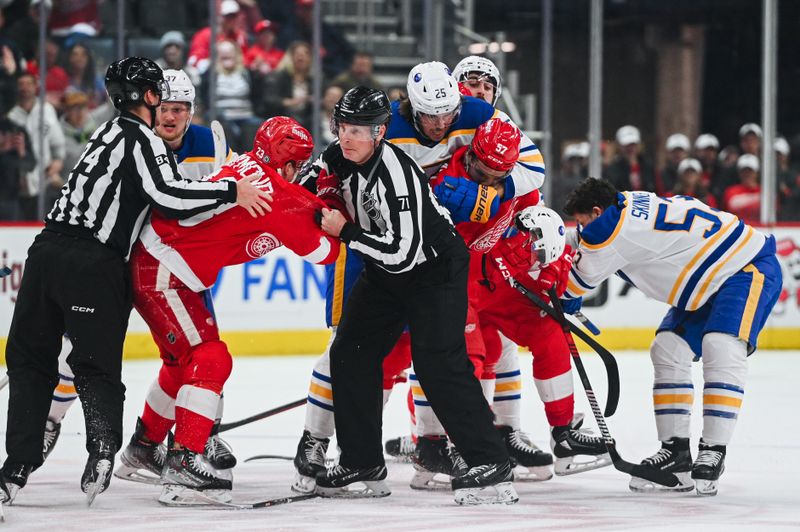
(83,309)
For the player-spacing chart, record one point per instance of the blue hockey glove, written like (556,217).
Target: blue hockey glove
(571,306)
(467,200)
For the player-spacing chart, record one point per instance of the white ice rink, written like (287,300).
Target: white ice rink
(759,490)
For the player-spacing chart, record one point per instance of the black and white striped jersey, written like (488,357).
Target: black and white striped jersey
(397,221)
(124,169)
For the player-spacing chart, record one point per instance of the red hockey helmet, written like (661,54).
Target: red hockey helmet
(280,140)
(496,144)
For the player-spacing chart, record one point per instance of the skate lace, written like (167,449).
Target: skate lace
(216,447)
(336,471)
(580,437)
(459,464)
(407,445)
(709,458)
(516,441)
(662,455)
(159,455)
(198,467)
(315,451)
(479,470)
(49,439)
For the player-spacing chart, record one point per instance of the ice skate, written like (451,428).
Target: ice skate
(708,467)
(218,452)
(401,448)
(529,462)
(51,432)
(569,444)
(486,484)
(141,461)
(97,473)
(345,482)
(435,464)
(673,457)
(189,479)
(309,462)
(13,478)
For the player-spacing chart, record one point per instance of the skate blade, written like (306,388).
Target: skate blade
(93,489)
(568,466)
(429,481)
(357,490)
(706,488)
(178,495)
(13,489)
(134,474)
(641,485)
(532,473)
(503,493)
(303,484)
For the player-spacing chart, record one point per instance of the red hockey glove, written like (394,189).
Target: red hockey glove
(509,258)
(329,190)
(556,273)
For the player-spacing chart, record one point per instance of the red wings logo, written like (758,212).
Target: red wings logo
(489,238)
(261,245)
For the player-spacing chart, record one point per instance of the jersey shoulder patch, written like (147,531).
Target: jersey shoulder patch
(602,231)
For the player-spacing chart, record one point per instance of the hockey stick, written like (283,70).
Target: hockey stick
(608,359)
(653,475)
(5,270)
(277,410)
(220,146)
(586,322)
(4,382)
(259,504)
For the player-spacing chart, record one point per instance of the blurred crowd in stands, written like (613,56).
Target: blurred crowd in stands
(263,69)
(724,177)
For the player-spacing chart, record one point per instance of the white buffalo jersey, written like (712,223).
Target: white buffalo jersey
(677,250)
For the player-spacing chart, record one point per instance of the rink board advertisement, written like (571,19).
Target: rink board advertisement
(275,304)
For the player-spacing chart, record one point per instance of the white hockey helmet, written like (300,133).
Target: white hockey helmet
(181,88)
(433,90)
(547,230)
(482,65)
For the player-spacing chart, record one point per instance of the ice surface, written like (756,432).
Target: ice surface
(758,491)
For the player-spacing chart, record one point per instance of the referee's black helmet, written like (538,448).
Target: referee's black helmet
(128,79)
(363,106)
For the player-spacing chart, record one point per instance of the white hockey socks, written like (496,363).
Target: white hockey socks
(673,392)
(724,373)
(319,409)
(64,395)
(507,394)
(427,422)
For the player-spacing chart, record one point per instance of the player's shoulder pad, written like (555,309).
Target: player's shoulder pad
(602,230)
(474,112)
(201,141)
(399,128)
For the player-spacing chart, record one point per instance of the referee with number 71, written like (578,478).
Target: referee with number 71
(76,277)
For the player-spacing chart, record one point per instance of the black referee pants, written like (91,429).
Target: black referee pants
(80,287)
(432,300)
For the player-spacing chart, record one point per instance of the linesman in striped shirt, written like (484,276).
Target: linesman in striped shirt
(76,276)
(415,274)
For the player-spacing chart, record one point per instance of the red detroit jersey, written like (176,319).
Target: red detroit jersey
(196,249)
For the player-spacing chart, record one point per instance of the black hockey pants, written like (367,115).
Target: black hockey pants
(81,287)
(432,300)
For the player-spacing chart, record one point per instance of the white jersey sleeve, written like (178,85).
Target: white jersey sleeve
(676,250)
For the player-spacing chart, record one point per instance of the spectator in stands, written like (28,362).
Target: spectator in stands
(678,147)
(287,91)
(750,139)
(8,82)
(25,31)
(744,199)
(16,160)
(690,183)
(336,52)
(631,169)
(78,124)
(229,30)
(333,94)
(83,77)
(173,48)
(706,150)
(234,104)
(574,169)
(788,183)
(26,114)
(264,57)
(69,16)
(360,73)
(56,80)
